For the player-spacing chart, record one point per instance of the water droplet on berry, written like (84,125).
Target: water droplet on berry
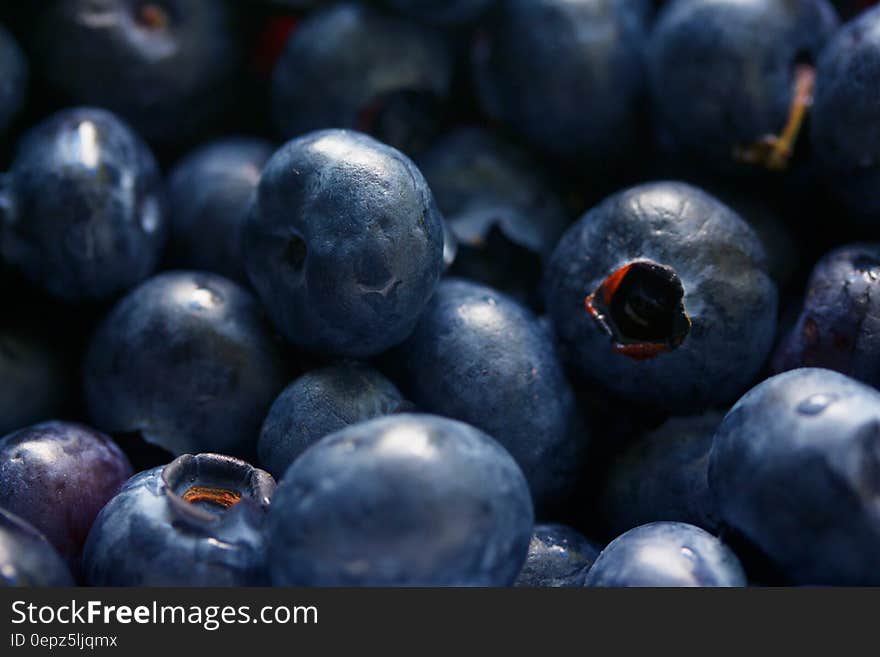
(205,298)
(816,404)
(150,215)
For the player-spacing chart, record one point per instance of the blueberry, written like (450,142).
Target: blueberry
(845,128)
(505,215)
(13,79)
(57,476)
(403,500)
(319,403)
(482,358)
(349,66)
(344,243)
(442,12)
(565,74)
(666,554)
(188,361)
(81,210)
(839,323)
(784,247)
(34,384)
(209,194)
(198,521)
(663,476)
(27,558)
(558,556)
(164,65)
(794,470)
(731,80)
(661,295)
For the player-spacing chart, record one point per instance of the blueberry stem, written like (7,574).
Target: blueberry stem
(774,152)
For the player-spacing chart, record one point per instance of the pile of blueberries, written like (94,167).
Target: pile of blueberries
(439,293)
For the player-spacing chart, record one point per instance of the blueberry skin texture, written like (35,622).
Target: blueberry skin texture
(57,476)
(27,558)
(839,325)
(503,211)
(349,66)
(566,75)
(804,444)
(168,73)
(147,535)
(722,72)
(35,385)
(728,296)
(209,194)
(442,12)
(319,403)
(480,357)
(82,208)
(845,126)
(344,243)
(666,554)
(187,360)
(403,500)
(558,557)
(13,79)
(663,476)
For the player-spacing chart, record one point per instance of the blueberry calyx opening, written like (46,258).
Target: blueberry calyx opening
(152,16)
(295,252)
(201,489)
(640,306)
(220,497)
